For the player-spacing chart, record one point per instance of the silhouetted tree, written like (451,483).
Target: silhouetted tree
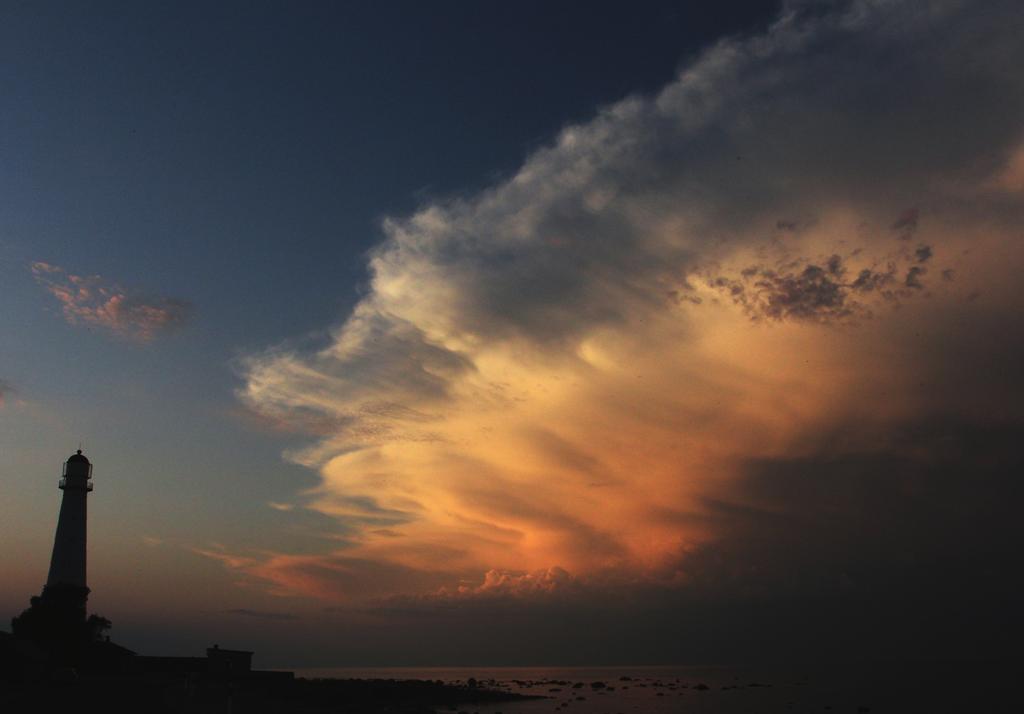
(56,621)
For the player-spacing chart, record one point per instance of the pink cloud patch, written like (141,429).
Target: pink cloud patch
(90,300)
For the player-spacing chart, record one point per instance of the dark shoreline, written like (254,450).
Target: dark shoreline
(242,695)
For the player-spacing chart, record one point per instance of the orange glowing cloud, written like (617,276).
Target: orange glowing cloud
(556,380)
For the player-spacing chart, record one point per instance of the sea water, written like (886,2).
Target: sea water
(840,689)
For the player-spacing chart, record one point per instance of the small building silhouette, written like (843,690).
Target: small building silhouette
(228,662)
(219,664)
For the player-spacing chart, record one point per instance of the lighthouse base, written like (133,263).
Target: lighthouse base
(56,621)
(66,601)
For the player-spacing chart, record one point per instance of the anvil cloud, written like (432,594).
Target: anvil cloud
(702,342)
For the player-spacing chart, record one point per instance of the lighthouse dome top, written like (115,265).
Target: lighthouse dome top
(77,458)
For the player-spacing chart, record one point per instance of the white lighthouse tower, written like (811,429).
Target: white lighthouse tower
(67,565)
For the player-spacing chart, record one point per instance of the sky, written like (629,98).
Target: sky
(446,333)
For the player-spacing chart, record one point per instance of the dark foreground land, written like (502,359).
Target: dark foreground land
(161,695)
(47,670)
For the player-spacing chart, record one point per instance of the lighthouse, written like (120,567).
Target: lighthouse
(56,620)
(67,564)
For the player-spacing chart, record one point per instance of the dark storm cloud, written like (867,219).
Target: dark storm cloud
(911,542)
(904,530)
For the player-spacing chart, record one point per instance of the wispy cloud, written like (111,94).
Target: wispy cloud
(333,577)
(93,301)
(558,379)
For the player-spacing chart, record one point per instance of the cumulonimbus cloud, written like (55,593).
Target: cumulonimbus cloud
(571,370)
(90,300)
